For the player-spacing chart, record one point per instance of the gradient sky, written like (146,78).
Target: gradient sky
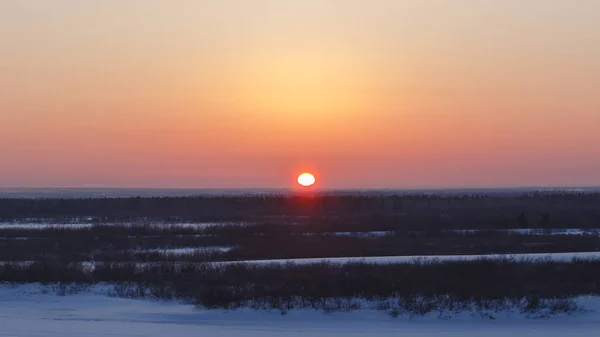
(238,93)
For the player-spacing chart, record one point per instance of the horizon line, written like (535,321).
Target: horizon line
(525,187)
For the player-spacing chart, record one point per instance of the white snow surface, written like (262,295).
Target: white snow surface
(537,231)
(185,250)
(26,311)
(558,257)
(362,234)
(79,225)
(43,225)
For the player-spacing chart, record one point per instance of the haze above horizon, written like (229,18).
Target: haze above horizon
(390,94)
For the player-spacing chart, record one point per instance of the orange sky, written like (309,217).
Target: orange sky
(236,93)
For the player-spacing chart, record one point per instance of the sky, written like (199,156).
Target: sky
(237,93)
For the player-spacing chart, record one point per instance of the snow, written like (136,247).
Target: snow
(526,231)
(557,257)
(537,231)
(29,312)
(185,250)
(68,225)
(42,225)
(196,225)
(356,234)
(19,238)
(533,258)
(364,234)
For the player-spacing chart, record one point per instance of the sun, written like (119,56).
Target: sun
(306,179)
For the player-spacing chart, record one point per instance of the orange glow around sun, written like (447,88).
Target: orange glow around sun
(306,179)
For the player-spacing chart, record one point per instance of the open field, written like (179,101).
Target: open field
(35,310)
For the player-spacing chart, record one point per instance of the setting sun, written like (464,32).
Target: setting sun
(306,179)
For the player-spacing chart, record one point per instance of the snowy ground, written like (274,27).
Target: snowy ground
(25,311)
(78,225)
(373,234)
(537,231)
(87,223)
(36,225)
(524,231)
(559,257)
(186,250)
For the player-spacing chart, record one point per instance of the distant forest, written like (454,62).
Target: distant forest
(399,212)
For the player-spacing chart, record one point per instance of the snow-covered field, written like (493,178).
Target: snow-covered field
(42,225)
(531,258)
(559,257)
(78,225)
(88,223)
(538,231)
(185,250)
(373,234)
(26,311)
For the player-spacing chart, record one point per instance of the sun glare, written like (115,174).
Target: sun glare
(306,179)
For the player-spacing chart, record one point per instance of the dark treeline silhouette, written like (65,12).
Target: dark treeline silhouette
(131,243)
(286,286)
(331,212)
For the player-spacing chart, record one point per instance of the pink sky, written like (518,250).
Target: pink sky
(235,93)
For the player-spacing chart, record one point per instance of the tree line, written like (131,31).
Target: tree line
(389,212)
